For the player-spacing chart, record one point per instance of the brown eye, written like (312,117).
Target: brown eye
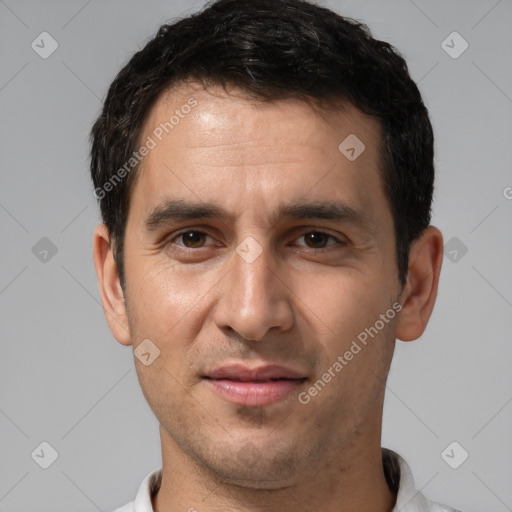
(317,239)
(192,239)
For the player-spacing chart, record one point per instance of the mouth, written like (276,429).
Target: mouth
(254,387)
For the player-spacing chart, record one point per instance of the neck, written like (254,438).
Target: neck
(349,478)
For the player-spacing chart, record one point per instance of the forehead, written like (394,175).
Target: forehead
(219,144)
(217,116)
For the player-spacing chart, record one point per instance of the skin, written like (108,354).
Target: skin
(300,303)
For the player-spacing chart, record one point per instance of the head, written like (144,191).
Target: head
(297,250)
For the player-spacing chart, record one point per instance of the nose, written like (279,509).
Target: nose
(254,299)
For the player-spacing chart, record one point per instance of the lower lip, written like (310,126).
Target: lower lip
(254,393)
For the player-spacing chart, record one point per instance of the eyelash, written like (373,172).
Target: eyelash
(184,247)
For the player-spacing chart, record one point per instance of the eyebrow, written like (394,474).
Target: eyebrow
(173,210)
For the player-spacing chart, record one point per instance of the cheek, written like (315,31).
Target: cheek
(341,303)
(164,294)
(348,323)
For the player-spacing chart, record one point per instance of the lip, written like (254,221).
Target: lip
(258,373)
(254,387)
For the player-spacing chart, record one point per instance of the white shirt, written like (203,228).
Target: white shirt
(397,471)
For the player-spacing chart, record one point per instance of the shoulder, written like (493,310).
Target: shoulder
(401,482)
(147,489)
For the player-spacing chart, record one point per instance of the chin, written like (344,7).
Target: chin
(258,467)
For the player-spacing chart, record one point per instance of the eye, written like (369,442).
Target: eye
(318,239)
(191,239)
(194,239)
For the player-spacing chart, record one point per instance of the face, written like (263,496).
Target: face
(257,255)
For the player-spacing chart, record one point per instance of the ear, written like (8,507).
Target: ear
(112,296)
(420,291)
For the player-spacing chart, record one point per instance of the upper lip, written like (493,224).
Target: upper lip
(262,372)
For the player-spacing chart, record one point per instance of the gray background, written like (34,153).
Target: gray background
(66,381)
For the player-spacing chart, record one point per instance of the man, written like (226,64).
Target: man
(265,175)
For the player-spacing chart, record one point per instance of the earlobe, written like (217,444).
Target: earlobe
(420,291)
(112,296)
